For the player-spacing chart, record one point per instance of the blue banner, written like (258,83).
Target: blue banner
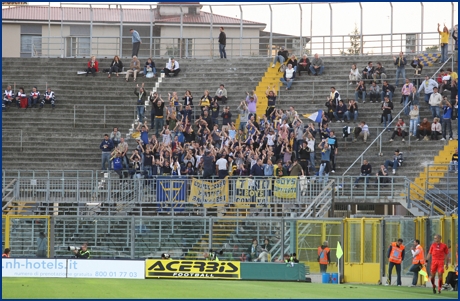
(171,193)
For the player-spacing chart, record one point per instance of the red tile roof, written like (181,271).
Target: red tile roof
(77,14)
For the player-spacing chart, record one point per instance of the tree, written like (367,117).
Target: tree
(355,43)
(433,48)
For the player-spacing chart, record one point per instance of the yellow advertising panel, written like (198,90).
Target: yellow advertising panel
(252,192)
(186,269)
(209,194)
(286,187)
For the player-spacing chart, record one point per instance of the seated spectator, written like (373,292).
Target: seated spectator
(21,99)
(293,61)
(382,176)
(360,91)
(49,97)
(400,130)
(221,94)
(134,68)
(352,111)
(116,66)
(414,120)
(8,97)
(150,67)
(330,104)
(188,99)
(436,129)
(424,130)
(93,66)
(205,101)
(396,162)
(418,68)
(366,171)
(379,72)
(303,65)
(368,71)
(281,57)
(362,131)
(387,90)
(172,67)
(355,75)
(453,165)
(115,136)
(340,111)
(288,76)
(34,98)
(316,66)
(374,92)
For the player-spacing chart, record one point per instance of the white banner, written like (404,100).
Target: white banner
(18,267)
(89,268)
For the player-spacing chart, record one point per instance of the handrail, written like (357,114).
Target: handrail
(4,198)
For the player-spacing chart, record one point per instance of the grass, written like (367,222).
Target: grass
(51,288)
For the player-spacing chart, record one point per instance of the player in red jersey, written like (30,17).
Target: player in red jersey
(438,252)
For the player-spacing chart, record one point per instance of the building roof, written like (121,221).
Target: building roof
(107,15)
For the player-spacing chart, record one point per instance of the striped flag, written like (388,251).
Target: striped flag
(316,117)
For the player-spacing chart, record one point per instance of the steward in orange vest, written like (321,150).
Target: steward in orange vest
(395,257)
(324,257)
(418,260)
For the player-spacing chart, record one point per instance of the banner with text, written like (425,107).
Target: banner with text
(192,269)
(286,187)
(126,269)
(21,267)
(249,192)
(209,194)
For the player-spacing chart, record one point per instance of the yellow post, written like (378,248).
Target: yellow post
(361,260)
(7,231)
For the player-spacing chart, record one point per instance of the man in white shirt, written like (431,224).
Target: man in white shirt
(172,67)
(435,101)
(222,167)
(427,85)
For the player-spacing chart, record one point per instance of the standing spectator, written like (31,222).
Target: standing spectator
(414,97)
(396,162)
(116,66)
(34,98)
(317,66)
(405,91)
(387,90)
(400,63)
(244,113)
(418,68)
(208,163)
(387,107)
(222,167)
(226,119)
(444,42)
(172,67)
(400,130)
(435,102)
(136,39)
(361,131)
(374,92)
(293,61)
(93,66)
(222,43)
(304,157)
(334,144)
(455,38)
(251,101)
(150,67)
(8,97)
(453,165)
(436,129)
(288,76)
(446,119)
(438,252)
(368,71)
(159,106)
(325,165)
(424,129)
(311,146)
(106,147)
(379,72)
(428,85)
(395,256)
(115,136)
(366,171)
(49,97)
(42,245)
(271,104)
(221,94)
(281,57)
(418,261)
(257,169)
(215,107)
(141,98)
(360,91)
(296,169)
(414,120)
(304,65)
(354,75)
(324,256)
(134,68)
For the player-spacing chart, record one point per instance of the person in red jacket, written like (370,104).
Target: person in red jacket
(395,257)
(438,252)
(93,66)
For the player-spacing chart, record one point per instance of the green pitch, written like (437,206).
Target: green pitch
(45,288)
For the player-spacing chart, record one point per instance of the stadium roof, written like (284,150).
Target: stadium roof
(108,15)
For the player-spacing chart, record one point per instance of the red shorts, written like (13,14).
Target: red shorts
(437,266)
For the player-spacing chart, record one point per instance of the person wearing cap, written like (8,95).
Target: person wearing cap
(428,85)
(136,39)
(435,102)
(281,57)
(172,67)
(316,66)
(396,162)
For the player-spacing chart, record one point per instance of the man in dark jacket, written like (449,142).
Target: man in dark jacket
(366,171)
(281,57)
(222,43)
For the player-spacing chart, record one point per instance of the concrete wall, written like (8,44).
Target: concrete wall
(11,40)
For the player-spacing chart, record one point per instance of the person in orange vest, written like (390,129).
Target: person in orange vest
(438,251)
(6,253)
(395,256)
(418,260)
(324,257)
